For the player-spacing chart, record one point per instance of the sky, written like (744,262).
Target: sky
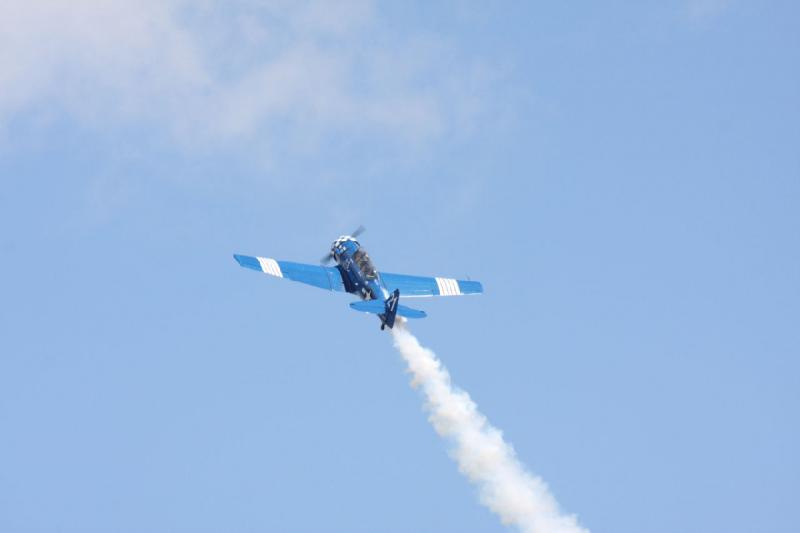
(623,178)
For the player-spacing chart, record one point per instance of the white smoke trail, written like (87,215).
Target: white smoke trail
(506,488)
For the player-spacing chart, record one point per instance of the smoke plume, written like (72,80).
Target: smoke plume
(505,487)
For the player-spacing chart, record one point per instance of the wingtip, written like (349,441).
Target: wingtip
(247,261)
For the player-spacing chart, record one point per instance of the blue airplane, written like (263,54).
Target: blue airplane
(354,273)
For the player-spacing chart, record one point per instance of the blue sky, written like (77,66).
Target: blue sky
(623,178)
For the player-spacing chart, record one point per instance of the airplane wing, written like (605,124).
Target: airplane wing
(419,286)
(327,278)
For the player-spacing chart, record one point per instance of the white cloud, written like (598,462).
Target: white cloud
(214,71)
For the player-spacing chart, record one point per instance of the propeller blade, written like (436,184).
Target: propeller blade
(327,258)
(359,230)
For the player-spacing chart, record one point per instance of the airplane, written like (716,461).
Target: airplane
(355,273)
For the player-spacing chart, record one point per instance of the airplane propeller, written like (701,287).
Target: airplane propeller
(327,258)
(359,230)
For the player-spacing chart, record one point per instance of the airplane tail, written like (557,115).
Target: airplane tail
(389,310)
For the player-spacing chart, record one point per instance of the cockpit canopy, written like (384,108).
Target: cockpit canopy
(347,245)
(365,264)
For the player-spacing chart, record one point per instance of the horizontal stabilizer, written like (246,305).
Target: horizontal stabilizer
(369,306)
(377,307)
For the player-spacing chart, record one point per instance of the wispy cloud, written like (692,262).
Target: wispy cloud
(217,72)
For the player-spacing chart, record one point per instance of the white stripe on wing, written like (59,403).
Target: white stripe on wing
(270,266)
(448,287)
(439,286)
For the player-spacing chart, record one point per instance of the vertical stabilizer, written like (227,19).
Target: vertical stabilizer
(390,313)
